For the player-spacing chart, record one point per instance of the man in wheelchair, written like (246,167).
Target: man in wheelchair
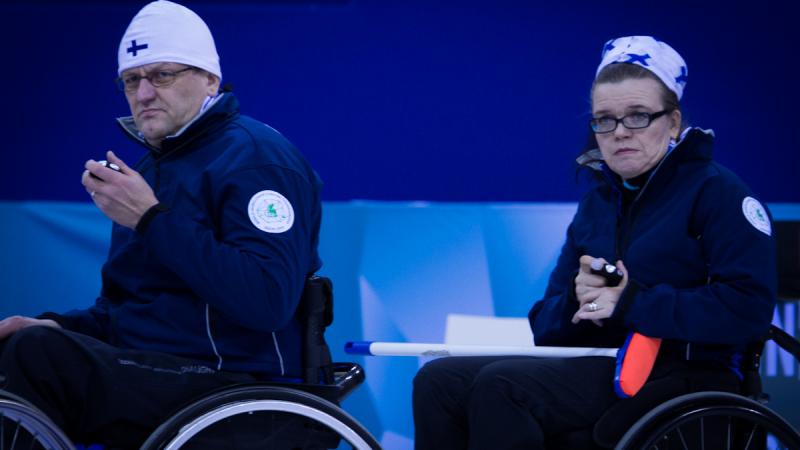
(215,233)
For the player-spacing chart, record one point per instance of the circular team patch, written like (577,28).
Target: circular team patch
(271,212)
(756,215)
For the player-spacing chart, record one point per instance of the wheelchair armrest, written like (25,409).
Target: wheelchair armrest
(347,376)
(785,341)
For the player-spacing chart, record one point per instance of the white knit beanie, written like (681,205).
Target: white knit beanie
(164,31)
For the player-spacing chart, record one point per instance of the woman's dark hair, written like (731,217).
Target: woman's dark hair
(616,73)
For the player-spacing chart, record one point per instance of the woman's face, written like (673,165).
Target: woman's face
(630,153)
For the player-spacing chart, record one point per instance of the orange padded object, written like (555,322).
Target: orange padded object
(635,360)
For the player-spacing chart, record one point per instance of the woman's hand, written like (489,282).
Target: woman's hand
(596,300)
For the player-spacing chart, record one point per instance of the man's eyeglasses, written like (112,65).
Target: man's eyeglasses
(160,78)
(632,121)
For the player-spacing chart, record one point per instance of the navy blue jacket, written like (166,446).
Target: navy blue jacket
(202,280)
(702,276)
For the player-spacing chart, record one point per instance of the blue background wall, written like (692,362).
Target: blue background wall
(455,101)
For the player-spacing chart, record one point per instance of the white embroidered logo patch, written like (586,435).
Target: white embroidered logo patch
(271,212)
(756,215)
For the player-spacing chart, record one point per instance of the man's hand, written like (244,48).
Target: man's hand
(123,196)
(12,324)
(596,300)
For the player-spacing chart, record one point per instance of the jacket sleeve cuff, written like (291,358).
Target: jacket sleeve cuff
(149,215)
(626,299)
(63,321)
(572,298)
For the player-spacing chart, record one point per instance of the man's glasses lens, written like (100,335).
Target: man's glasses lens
(161,78)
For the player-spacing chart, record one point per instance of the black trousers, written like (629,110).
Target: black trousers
(98,393)
(532,403)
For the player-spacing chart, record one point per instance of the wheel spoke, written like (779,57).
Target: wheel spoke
(683,440)
(702,434)
(728,436)
(750,437)
(16,434)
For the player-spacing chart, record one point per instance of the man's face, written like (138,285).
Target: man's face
(160,111)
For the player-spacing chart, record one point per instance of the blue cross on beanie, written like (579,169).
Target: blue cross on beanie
(134,49)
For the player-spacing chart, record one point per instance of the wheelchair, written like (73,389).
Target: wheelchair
(712,420)
(273,415)
(721,420)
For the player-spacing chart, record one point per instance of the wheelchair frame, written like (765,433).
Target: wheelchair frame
(314,401)
(748,422)
(248,399)
(31,422)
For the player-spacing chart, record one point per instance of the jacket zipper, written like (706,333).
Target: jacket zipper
(620,244)
(622,240)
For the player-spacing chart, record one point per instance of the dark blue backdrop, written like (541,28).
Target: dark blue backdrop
(399,100)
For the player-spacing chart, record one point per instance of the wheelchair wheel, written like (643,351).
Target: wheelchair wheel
(710,420)
(261,417)
(23,426)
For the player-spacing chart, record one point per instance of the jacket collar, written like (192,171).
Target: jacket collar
(225,107)
(695,144)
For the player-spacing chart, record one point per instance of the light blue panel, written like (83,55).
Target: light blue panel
(51,256)
(523,242)
(785,211)
(388,379)
(419,263)
(426,261)
(340,246)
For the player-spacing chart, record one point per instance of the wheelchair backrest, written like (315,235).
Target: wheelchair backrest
(787,241)
(315,313)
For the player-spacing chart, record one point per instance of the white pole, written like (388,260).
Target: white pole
(428,349)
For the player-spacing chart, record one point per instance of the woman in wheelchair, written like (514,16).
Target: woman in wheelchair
(695,249)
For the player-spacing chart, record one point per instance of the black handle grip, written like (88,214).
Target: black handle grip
(610,272)
(111,166)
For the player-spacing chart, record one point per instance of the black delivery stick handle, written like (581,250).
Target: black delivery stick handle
(110,165)
(608,271)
